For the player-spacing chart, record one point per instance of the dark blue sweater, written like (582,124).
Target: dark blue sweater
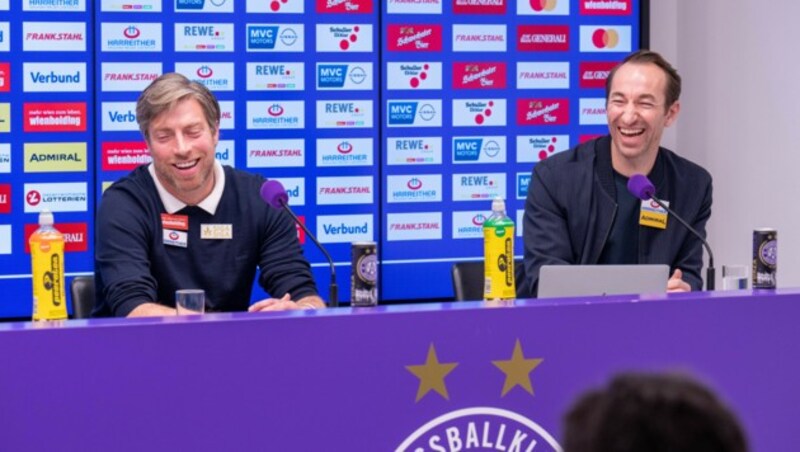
(134,266)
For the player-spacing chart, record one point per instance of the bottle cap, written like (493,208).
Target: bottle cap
(45,218)
(498,204)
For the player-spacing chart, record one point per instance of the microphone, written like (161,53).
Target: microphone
(273,193)
(641,187)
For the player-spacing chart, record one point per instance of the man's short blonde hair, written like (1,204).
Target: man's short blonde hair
(165,92)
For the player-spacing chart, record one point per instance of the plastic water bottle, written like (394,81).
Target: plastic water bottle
(498,254)
(47,262)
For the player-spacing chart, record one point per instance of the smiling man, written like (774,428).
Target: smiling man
(187,222)
(578,209)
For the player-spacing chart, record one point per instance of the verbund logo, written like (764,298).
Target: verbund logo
(415,38)
(54,116)
(606,7)
(593,74)
(543,38)
(5,77)
(480,6)
(344,6)
(5,198)
(75,236)
(124,155)
(542,112)
(479,75)
(344,228)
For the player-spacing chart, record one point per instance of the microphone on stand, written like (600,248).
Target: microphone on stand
(641,187)
(273,193)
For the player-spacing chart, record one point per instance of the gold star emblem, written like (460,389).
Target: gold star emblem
(517,370)
(431,375)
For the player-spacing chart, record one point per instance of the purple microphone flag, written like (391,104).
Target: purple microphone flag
(638,185)
(273,193)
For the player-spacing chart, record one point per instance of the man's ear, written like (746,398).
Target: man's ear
(672,113)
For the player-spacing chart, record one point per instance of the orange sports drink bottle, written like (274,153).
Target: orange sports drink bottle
(47,262)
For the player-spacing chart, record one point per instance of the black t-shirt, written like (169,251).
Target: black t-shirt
(622,246)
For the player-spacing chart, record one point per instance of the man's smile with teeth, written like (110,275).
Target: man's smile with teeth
(186,165)
(631,132)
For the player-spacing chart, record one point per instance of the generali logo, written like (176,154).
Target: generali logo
(543,38)
(415,38)
(593,74)
(480,6)
(479,75)
(542,111)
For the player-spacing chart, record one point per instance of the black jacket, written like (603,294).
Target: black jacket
(571,206)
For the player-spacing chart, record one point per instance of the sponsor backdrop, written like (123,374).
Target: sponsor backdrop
(393,121)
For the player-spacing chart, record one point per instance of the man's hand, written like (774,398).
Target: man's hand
(286,304)
(677,284)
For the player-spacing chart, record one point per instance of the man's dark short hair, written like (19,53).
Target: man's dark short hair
(673,90)
(652,413)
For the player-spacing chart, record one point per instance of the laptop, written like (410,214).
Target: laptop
(582,280)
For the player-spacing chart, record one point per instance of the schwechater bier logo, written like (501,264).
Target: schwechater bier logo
(414,38)
(479,75)
(542,111)
(345,6)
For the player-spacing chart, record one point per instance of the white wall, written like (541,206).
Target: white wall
(740,117)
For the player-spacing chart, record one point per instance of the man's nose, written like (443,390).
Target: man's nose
(181,145)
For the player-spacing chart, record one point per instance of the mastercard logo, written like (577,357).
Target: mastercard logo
(543,5)
(605,39)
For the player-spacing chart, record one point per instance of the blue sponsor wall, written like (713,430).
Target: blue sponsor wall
(388,121)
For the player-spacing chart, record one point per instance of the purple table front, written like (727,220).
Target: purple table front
(423,377)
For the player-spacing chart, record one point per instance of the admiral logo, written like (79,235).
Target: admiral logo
(119,116)
(414,151)
(543,38)
(543,8)
(414,226)
(414,113)
(414,38)
(479,112)
(489,149)
(131,6)
(214,76)
(478,187)
(75,236)
(344,114)
(58,197)
(276,115)
(414,188)
(345,6)
(124,37)
(5,157)
(480,6)
(344,152)
(123,155)
(275,38)
(605,38)
(5,41)
(535,148)
(5,198)
(54,5)
(523,182)
(344,76)
(226,120)
(593,74)
(5,238)
(54,116)
(344,228)
(469,225)
(543,75)
(296,189)
(345,190)
(414,76)
(479,75)
(49,77)
(203,37)
(275,76)
(275,6)
(592,111)
(55,157)
(225,152)
(204,6)
(606,7)
(344,38)
(128,76)
(5,77)
(542,111)
(414,6)
(53,36)
(5,117)
(276,153)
